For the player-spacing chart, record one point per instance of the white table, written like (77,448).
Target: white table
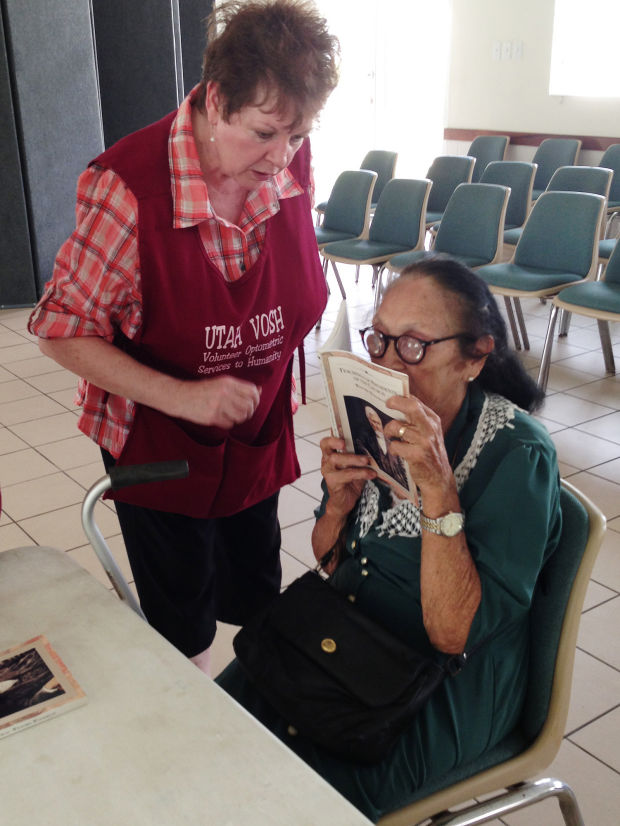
(157,741)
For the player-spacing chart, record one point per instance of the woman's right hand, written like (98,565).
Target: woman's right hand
(345,475)
(222,402)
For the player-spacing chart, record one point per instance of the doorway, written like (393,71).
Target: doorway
(392,89)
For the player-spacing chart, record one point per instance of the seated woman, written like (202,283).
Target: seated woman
(460,564)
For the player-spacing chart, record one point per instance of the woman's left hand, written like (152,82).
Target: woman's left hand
(421,445)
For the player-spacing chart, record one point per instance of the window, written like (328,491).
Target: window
(584,54)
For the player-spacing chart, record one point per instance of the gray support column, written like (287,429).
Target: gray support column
(55,97)
(17,281)
(149,56)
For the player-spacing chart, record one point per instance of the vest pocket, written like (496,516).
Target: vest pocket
(224,478)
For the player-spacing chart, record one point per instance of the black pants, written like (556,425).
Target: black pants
(191,572)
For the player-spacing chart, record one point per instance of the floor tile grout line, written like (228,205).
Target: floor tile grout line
(603,602)
(603,585)
(593,756)
(596,657)
(593,720)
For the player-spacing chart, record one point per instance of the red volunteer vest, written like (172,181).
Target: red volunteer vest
(197,325)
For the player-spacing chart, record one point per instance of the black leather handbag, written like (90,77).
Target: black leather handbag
(333,674)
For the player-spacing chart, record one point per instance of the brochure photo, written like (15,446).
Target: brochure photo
(35,684)
(357,391)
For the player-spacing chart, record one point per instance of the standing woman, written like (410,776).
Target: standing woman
(191,278)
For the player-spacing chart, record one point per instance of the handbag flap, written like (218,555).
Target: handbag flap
(364,657)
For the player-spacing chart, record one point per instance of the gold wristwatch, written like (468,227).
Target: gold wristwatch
(450,524)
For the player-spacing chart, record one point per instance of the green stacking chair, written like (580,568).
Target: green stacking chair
(347,213)
(519,176)
(446,172)
(595,299)
(377,160)
(399,225)
(558,247)
(549,156)
(485,149)
(594,179)
(471,230)
(611,160)
(500,778)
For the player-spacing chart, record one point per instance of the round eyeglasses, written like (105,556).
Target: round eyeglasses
(411,349)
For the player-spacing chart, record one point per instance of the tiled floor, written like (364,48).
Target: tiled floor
(46,467)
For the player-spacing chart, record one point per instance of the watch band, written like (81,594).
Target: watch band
(450,524)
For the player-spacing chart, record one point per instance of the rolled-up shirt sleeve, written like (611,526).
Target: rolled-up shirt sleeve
(95,286)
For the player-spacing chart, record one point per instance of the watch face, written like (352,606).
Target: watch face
(451,524)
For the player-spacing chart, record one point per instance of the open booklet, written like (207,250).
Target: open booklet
(35,685)
(356,392)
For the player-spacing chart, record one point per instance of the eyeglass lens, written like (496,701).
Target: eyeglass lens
(409,349)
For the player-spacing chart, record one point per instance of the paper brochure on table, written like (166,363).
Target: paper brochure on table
(35,685)
(357,392)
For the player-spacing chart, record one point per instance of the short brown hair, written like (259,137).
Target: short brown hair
(269,45)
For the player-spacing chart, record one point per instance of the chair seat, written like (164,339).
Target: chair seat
(512,235)
(433,217)
(597,295)
(613,205)
(606,247)
(525,279)
(321,207)
(326,236)
(399,262)
(363,250)
(536,193)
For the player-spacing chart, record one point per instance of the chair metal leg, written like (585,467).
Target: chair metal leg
(608,353)
(357,273)
(521,320)
(337,274)
(545,361)
(375,273)
(565,317)
(512,322)
(515,798)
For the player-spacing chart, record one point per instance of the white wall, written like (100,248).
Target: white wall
(512,94)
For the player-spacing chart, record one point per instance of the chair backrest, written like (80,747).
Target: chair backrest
(611,160)
(447,172)
(383,163)
(594,179)
(561,233)
(554,621)
(519,176)
(486,148)
(612,270)
(348,207)
(552,153)
(400,216)
(472,226)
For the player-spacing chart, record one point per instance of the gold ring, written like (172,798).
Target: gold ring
(401,431)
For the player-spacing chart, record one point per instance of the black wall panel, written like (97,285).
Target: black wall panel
(57,111)
(137,60)
(17,281)
(63,90)
(194,15)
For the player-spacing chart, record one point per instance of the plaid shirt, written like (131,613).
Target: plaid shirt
(95,286)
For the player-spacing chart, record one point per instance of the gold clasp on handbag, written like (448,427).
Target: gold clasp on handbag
(328,645)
